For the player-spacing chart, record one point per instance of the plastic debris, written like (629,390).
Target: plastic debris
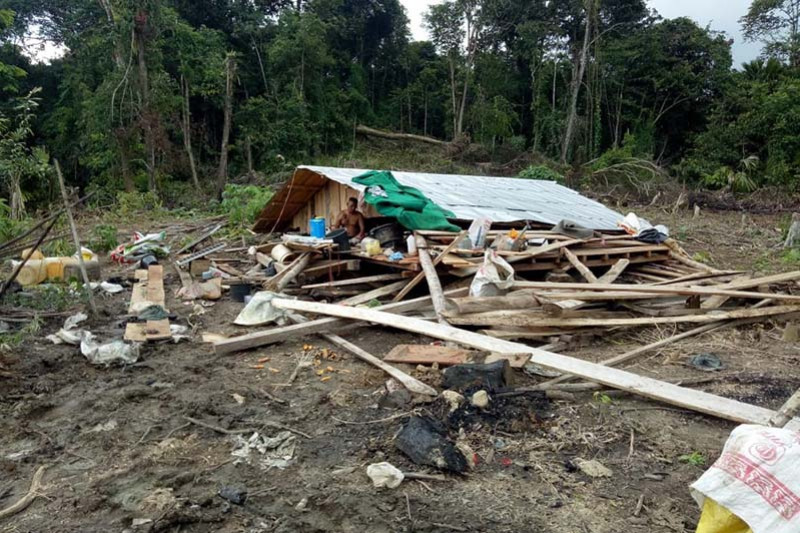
(115,352)
(208,290)
(106,287)
(141,246)
(278,451)
(494,278)
(260,311)
(706,362)
(69,334)
(234,495)
(593,468)
(385,475)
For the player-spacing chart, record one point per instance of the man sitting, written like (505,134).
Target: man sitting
(353,221)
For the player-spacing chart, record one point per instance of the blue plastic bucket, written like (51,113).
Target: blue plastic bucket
(318,228)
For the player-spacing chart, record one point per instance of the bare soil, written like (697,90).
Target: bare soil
(120,451)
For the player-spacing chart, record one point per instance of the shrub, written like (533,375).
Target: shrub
(243,203)
(104,238)
(541,172)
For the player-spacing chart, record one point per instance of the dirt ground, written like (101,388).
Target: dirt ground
(121,455)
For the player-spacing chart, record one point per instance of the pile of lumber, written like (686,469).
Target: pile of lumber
(564,289)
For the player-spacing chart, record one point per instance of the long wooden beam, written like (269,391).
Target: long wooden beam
(271,336)
(650,388)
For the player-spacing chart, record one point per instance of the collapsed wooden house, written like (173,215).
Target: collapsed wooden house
(565,286)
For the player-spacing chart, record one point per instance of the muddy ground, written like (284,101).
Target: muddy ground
(121,455)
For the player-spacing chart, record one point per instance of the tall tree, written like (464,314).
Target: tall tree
(777,24)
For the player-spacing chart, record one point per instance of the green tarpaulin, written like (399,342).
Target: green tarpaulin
(408,205)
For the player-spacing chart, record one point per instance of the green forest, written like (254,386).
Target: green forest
(176,99)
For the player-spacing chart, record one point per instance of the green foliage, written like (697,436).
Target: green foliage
(15,339)
(694,459)
(9,228)
(791,257)
(104,238)
(541,172)
(602,399)
(131,203)
(55,297)
(243,203)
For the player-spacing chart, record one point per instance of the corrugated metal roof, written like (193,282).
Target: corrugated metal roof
(500,199)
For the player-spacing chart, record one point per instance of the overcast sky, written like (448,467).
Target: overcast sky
(722,15)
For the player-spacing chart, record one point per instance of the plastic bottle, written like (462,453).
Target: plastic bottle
(411,242)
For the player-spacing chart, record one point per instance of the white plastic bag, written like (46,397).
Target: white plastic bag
(757,478)
(494,278)
(385,475)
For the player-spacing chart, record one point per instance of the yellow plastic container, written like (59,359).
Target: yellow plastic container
(717,519)
(371,246)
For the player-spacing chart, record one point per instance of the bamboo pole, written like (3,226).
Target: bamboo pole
(74,229)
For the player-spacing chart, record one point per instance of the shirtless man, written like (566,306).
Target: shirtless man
(352,220)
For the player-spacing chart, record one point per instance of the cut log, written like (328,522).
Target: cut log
(296,331)
(650,388)
(425,354)
(372,132)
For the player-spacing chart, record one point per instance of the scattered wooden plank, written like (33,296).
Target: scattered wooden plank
(652,289)
(419,277)
(787,412)
(280,281)
(521,318)
(409,382)
(434,285)
(746,282)
(295,331)
(150,331)
(375,294)
(650,388)
(587,274)
(609,277)
(513,300)
(323,268)
(355,281)
(426,354)
(149,290)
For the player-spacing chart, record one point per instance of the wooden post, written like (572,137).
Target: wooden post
(74,229)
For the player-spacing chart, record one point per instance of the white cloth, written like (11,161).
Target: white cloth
(757,478)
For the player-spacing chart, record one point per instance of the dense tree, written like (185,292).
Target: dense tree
(169,94)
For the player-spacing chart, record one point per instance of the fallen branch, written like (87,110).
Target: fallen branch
(26,500)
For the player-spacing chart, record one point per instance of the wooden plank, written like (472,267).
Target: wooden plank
(522,318)
(152,330)
(587,274)
(375,294)
(749,283)
(409,382)
(323,268)
(155,285)
(609,277)
(279,281)
(788,411)
(419,277)
(653,289)
(356,281)
(296,331)
(647,387)
(434,285)
(425,354)
(512,300)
